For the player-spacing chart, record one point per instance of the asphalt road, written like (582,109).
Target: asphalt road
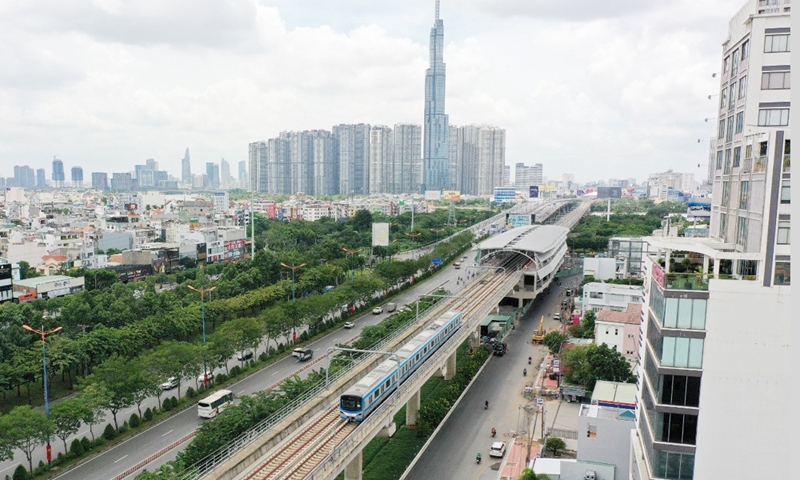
(467,431)
(138,448)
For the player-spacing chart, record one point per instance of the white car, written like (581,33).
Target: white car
(201,377)
(377,310)
(498,449)
(171,383)
(349,324)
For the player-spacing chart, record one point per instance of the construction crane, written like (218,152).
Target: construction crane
(538,337)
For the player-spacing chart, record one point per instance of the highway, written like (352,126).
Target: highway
(129,453)
(468,429)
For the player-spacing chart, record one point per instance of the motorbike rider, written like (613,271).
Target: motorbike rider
(524,372)
(494,432)
(486,405)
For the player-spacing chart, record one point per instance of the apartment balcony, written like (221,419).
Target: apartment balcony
(686,281)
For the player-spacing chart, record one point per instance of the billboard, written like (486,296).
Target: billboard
(380,234)
(533,191)
(609,192)
(519,220)
(433,195)
(451,195)
(698,208)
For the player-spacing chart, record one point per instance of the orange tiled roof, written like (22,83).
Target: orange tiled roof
(631,316)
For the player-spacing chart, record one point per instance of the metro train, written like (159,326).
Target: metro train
(356,403)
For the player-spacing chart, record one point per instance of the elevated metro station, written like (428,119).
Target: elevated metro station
(544,247)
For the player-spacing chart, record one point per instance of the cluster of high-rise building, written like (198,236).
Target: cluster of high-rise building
(361,159)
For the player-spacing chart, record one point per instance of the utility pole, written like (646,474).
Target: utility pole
(44,333)
(202,292)
(252,227)
(294,320)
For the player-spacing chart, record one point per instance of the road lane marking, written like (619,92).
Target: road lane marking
(240,392)
(164,435)
(273,374)
(121,458)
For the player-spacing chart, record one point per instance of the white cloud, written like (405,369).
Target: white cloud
(617,91)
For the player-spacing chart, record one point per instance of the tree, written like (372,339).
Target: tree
(66,416)
(362,222)
(555,445)
(114,375)
(588,364)
(94,397)
(553,341)
(26,428)
(587,324)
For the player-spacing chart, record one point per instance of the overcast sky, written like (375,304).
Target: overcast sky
(599,89)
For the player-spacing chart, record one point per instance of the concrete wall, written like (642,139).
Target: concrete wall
(600,268)
(610,296)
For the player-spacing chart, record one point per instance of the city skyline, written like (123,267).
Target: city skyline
(90,95)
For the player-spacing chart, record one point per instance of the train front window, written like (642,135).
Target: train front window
(351,404)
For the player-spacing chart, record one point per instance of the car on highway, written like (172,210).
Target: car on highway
(557,316)
(377,310)
(349,324)
(171,383)
(498,449)
(201,377)
(242,356)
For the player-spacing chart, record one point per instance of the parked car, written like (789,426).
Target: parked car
(349,324)
(171,383)
(498,449)
(244,356)
(377,310)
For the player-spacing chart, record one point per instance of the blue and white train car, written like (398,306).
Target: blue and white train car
(365,395)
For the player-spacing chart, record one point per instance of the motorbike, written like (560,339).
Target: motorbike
(478,458)
(494,432)
(529,360)
(524,372)
(486,405)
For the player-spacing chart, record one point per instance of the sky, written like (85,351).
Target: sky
(597,89)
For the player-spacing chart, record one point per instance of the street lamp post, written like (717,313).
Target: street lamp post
(352,254)
(202,292)
(293,268)
(44,333)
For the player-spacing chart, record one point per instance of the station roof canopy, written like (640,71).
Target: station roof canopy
(535,238)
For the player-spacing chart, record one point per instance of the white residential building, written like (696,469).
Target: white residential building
(715,337)
(608,296)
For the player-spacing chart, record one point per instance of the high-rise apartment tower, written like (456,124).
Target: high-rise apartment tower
(435,157)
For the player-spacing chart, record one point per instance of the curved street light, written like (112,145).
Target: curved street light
(293,268)
(352,254)
(44,333)
(202,292)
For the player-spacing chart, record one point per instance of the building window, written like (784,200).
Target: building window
(673,465)
(721,131)
(723,226)
(723,98)
(679,390)
(719,160)
(737,156)
(685,313)
(742,87)
(783,272)
(726,64)
(775,80)
(786,191)
(726,193)
(745,49)
(727,160)
(677,428)
(732,96)
(773,117)
(741,231)
(735,66)
(744,195)
(739,122)
(730,129)
(783,233)
(682,352)
(773,44)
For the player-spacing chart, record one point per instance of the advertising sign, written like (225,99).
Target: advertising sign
(533,191)
(380,234)
(451,196)
(696,208)
(658,275)
(519,220)
(609,192)
(433,195)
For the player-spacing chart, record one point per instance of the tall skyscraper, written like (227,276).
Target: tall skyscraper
(279,166)
(41,178)
(242,177)
(407,158)
(58,173)
(351,147)
(24,177)
(435,157)
(225,174)
(326,165)
(380,159)
(77,177)
(701,344)
(100,180)
(480,162)
(258,158)
(212,172)
(186,169)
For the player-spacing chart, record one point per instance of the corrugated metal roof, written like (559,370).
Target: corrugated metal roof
(536,238)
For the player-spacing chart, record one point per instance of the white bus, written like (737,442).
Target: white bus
(215,403)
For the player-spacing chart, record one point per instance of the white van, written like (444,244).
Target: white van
(302,354)
(391,307)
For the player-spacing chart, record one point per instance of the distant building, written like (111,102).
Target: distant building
(41,179)
(352,150)
(99,180)
(407,162)
(122,182)
(381,171)
(58,173)
(186,169)
(243,177)
(435,154)
(608,296)
(77,177)
(620,330)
